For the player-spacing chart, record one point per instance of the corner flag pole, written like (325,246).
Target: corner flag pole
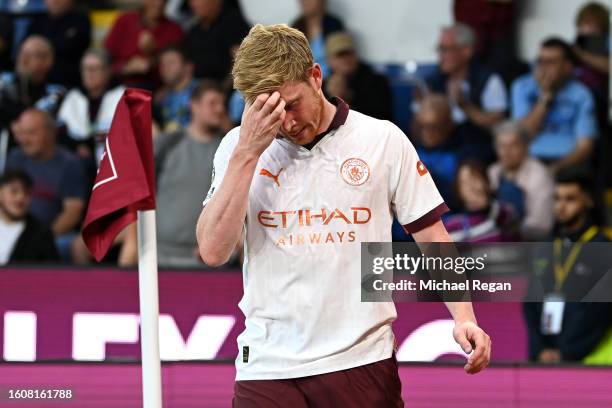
(149,310)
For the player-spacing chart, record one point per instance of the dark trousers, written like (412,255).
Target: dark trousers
(370,386)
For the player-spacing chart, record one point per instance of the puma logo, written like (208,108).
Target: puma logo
(267,173)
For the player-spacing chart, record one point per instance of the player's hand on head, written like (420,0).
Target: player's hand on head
(475,342)
(261,121)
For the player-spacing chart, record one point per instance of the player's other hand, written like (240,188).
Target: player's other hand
(474,340)
(261,122)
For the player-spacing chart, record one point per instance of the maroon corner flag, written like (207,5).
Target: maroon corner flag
(125,182)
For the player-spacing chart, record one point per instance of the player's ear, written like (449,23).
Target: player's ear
(316,74)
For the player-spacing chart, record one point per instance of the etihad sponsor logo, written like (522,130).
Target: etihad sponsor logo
(307,217)
(421,169)
(268,173)
(355,171)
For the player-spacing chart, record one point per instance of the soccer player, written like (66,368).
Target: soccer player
(308,180)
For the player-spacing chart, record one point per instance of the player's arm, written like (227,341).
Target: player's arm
(220,223)
(466,332)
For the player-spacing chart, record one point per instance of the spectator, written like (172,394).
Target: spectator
(483,218)
(29,86)
(180,11)
(135,39)
(176,73)
(24,238)
(87,112)
(69,32)
(317,25)
(494,24)
(184,167)
(440,144)
(6,43)
(477,94)
(212,42)
(572,330)
(59,182)
(556,110)
(592,48)
(515,167)
(354,81)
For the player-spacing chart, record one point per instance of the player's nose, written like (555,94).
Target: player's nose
(289,124)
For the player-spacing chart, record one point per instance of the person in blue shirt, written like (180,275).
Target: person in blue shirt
(556,109)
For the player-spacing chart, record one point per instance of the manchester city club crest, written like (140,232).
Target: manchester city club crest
(355,171)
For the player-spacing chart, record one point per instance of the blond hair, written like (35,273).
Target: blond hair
(268,57)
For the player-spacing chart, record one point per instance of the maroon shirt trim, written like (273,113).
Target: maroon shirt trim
(342,111)
(339,119)
(427,219)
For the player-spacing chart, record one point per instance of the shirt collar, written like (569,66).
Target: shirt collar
(339,119)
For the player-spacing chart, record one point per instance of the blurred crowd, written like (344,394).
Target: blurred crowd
(519,149)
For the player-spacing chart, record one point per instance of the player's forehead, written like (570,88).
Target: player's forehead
(292,90)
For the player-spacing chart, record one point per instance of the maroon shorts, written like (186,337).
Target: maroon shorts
(370,386)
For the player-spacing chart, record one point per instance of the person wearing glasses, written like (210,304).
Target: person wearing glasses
(557,110)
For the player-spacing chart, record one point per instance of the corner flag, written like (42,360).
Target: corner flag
(125,182)
(124,191)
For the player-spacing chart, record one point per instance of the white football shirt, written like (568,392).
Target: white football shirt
(308,212)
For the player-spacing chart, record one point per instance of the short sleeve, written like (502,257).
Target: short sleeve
(521,106)
(586,124)
(494,96)
(220,162)
(415,200)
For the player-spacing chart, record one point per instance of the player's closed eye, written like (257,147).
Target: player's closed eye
(291,105)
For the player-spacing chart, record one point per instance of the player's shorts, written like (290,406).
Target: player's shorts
(369,386)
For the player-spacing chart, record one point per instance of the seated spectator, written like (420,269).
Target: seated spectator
(87,112)
(213,40)
(184,163)
(482,217)
(556,110)
(6,43)
(354,81)
(442,144)
(317,24)
(477,94)
(134,40)
(514,166)
(24,238)
(29,85)
(572,330)
(59,181)
(176,73)
(69,32)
